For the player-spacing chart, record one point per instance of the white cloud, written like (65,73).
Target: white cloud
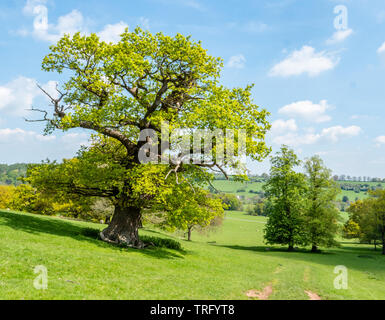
(337,132)
(380,140)
(307,110)
(112,32)
(8,135)
(340,36)
(67,24)
(31,5)
(70,23)
(381,49)
(332,134)
(281,126)
(305,60)
(236,62)
(19,95)
(6,97)
(68,141)
(42,30)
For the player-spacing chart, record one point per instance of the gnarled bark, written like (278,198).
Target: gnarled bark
(123,228)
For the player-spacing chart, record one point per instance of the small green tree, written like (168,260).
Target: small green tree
(378,215)
(285,191)
(369,215)
(188,209)
(231,201)
(321,215)
(258,208)
(261,208)
(351,230)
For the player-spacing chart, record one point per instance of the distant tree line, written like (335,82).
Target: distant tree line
(362,187)
(344,177)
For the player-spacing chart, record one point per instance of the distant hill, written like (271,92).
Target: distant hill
(247,190)
(9,174)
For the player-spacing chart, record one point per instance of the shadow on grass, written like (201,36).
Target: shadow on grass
(266,249)
(357,258)
(162,234)
(40,224)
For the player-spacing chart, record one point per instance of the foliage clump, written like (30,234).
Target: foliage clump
(300,206)
(367,219)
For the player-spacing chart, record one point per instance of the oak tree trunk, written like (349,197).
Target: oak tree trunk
(123,228)
(314,248)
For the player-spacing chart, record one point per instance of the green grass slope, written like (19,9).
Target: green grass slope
(223,265)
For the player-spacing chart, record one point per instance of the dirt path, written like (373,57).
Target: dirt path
(312,295)
(261,295)
(268,290)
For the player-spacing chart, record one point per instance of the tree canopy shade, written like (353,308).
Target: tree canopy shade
(119,90)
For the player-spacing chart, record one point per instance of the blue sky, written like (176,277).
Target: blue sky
(322,82)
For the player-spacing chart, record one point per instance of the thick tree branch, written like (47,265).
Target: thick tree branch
(87,191)
(59,112)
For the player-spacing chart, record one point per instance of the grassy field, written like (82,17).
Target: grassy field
(224,265)
(235,187)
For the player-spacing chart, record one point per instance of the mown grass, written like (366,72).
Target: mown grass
(223,265)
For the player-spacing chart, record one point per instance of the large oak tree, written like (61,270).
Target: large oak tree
(118,90)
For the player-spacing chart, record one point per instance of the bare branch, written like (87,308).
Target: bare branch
(45,119)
